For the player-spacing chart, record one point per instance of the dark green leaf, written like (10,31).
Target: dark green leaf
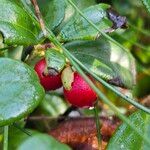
(42,142)
(126,139)
(106,60)
(55,60)
(84,3)
(16,25)
(79,28)
(70,12)
(53,11)
(20,90)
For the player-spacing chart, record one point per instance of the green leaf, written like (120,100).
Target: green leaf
(106,60)
(17,26)
(125,138)
(42,141)
(79,28)
(55,60)
(20,90)
(53,11)
(84,3)
(70,12)
(147,4)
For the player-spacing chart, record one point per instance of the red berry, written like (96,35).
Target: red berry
(80,94)
(49,82)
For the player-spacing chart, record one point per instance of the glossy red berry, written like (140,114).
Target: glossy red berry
(49,82)
(80,94)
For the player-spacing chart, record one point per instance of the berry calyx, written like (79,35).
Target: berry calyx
(49,82)
(80,94)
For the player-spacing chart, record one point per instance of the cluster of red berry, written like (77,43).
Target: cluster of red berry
(80,94)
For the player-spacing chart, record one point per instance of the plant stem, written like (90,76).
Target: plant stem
(37,118)
(97,120)
(5,144)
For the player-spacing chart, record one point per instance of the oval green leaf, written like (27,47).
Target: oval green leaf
(70,12)
(16,25)
(78,28)
(55,60)
(53,11)
(42,142)
(106,60)
(20,90)
(126,139)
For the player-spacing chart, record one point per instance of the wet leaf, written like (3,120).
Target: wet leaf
(55,61)
(79,28)
(20,91)
(106,19)
(70,12)
(53,11)
(17,26)
(106,60)
(125,138)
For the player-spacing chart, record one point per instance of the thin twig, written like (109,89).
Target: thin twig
(38,118)
(39,16)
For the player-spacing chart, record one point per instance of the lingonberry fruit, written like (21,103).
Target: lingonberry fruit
(80,94)
(49,82)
